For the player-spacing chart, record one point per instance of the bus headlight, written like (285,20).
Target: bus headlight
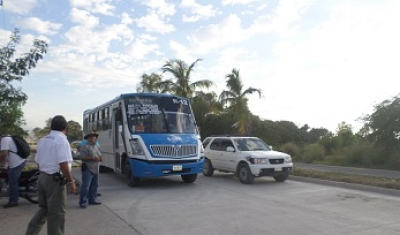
(136,147)
(201,146)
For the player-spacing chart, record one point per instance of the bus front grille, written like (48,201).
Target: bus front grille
(174,150)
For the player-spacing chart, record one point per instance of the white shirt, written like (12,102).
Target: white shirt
(8,144)
(52,150)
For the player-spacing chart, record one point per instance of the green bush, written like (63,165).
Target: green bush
(292,149)
(358,155)
(335,160)
(313,153)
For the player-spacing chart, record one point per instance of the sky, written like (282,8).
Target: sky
(317,62)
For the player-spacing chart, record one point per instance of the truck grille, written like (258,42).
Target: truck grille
(174,150)
(276,161)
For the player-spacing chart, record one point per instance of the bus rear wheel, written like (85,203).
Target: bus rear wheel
(189,178)
(132,181)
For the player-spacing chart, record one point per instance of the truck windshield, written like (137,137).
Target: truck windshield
(159,115)
(251,144)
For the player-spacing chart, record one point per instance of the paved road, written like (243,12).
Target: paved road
(220,205)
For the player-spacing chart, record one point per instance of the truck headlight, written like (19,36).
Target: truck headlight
(258,160)
(288,159)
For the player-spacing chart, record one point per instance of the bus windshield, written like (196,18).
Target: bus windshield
(149,114)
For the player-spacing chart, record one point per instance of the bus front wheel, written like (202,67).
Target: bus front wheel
(132,181)
(189,178)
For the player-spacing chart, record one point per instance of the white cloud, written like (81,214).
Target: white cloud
(318,62)
(153,23)
(19,7)
(181,51)
(83,17)
(148,37)
(208,38)
(38,25)
(86,41)
(126,19)
(6,34)
(262,7)
(139,49)
(238,2)
(282,19)
(94,6)
(198,11)
(337,71)
(160,7)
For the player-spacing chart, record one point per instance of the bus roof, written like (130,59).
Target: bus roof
(128,95)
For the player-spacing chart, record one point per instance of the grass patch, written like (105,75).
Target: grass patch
(381,182)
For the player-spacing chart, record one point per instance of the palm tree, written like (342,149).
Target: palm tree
(236,100)
(181,72)
(211,99)
(149,83)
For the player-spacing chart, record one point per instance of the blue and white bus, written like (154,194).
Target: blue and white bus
(146,135)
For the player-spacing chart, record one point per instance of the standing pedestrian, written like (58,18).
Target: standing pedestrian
(84,142)
(91,157)
(15,165)
(54,159)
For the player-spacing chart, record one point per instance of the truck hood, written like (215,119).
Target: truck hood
(266,154)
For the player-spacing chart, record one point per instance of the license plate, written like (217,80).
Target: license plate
(177,168)
(278,168)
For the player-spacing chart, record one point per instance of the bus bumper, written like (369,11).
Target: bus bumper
(143,169)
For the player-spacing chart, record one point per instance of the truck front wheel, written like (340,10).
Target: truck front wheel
(132,181)
(189,178)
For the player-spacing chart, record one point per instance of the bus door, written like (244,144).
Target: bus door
(116,136)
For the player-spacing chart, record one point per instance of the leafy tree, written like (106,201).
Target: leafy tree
(74,132)
(38,132)
(315,134)
(217,124)
(150,83)
(384,124)
(205,104)
(345,135)
(11,98)
(236,100)
(211,100)
(182,85)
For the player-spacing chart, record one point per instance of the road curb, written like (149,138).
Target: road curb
(391,192)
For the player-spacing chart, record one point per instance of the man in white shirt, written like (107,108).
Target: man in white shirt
(15,165)
(54,159)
